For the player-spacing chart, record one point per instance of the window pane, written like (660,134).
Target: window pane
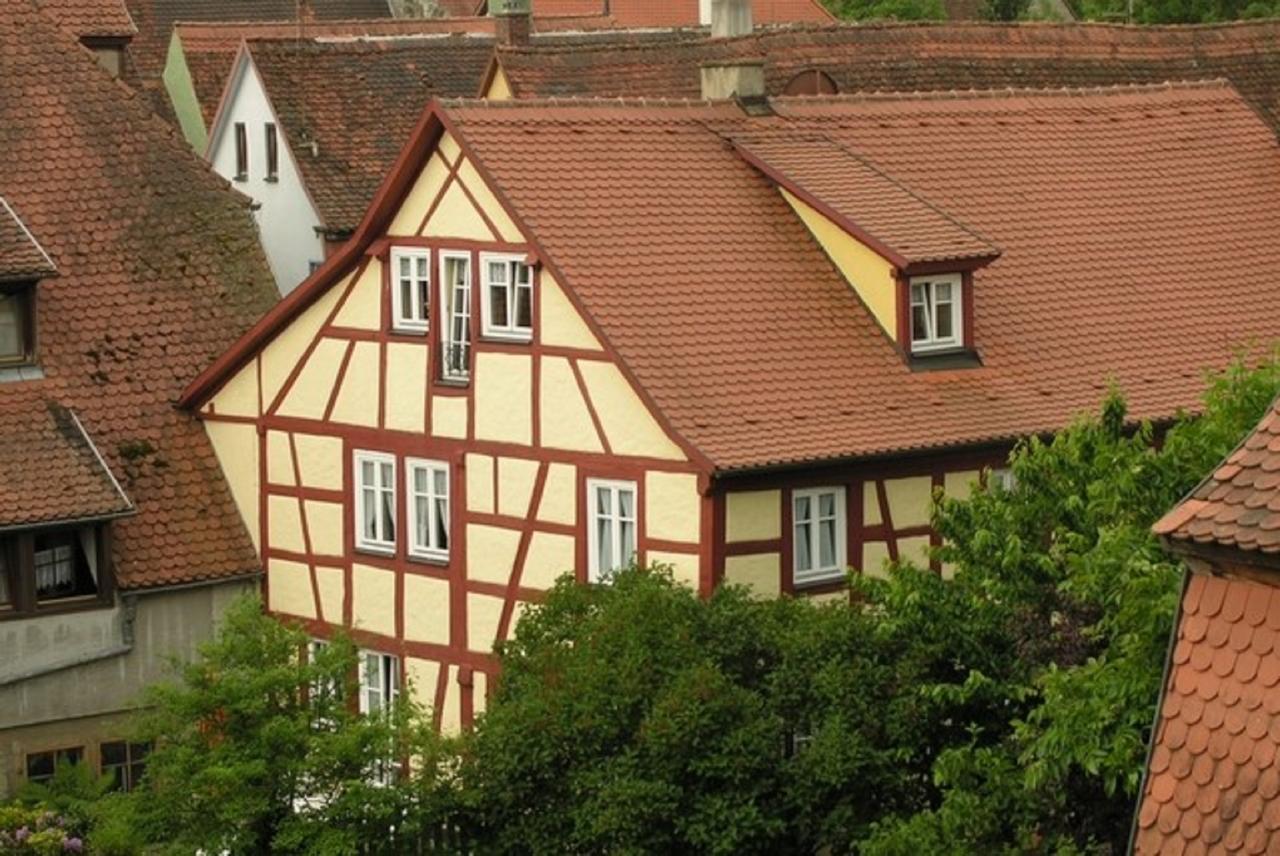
(369,503)
(827,505)
(498,305)
(405,269)
(388,516)
(40,766)
(442,524)
(406,298)
(114,753)
(802,512)
(943,324)
(524,307)
(804,557)
(604,501)
(420,479)
(13,320)
(498,272)
(919,324)
(627,504)
(5,597)
(604,542)
(422,520)
(627,537)
(827,543)
(62,567)
(442,482)
(942,292)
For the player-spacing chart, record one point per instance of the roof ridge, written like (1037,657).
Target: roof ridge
(998,92)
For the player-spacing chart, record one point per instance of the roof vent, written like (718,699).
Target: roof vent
(511,21)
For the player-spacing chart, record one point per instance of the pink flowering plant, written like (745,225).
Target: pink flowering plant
(36,830)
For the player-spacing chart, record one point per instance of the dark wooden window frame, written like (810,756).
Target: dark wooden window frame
(28,290)
(273,152)
(19,550)
(242,152)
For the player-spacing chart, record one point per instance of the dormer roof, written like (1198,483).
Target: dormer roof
(877,209)
(21,256)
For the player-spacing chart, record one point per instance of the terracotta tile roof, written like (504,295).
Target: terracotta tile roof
(21,256)
(91,18)
(1213,782)
(702,277)
(160,270)
(922,57)
(50,470)
(681,13)
(1239,504)
(867,202)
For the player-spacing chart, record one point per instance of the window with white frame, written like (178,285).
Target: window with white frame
(611,538)
(817,516)
(375,502)
(427,492)
(507,310)
(379,681)
(936,317)
(455,300)
(410,289)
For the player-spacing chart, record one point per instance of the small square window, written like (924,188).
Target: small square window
(936,313)
(611,538)
(375,501)
(507,308)
(818,521)
(427,494)
(17,324)
(410,290)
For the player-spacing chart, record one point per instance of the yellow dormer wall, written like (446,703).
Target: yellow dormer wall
(499,87)
(535,421)
(870,275)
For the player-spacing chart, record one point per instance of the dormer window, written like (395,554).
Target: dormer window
(17,324)
(53,568)
(936,313)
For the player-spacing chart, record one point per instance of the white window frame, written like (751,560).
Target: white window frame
(382,546)
(594,572)
(448,312)
(388,688)
(819,573)
(422,288)
(932,342)
(411,495)
(509,332)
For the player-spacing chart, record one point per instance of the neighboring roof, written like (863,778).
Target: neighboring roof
(1238,506)
(50,470)
(680,13)
(160,269)
(91,19)
(922,57)
(758,352)
(882,212)
(21,256)
(1213,780)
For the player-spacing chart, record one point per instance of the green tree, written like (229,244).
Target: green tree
(258,749)
(891,10)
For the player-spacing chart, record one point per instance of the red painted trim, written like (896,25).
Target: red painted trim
(967,297)
(904,314)
(449,178)
(306,530)
(664,546)
(383,245)
(748,548)
(719,514)
(522,552)
(787,560)
(591,407)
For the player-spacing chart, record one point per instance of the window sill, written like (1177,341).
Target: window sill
(271,179)
(417,332)
(954,358)
(510,338)
(459,382)
(828,581)
(85,603)
(437,559)
(375,550)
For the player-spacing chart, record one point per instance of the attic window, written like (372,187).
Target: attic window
(242,152)
(936,313)
(811,82)
(273,152)
(508,297)
(410,290)
(17,324)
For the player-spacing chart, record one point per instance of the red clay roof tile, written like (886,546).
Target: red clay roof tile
(21,256)
(91,18)
(160,269)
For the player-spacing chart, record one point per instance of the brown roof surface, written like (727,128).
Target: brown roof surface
(1213,783)
(21,256)
(760,354)
(681,13)
(91,18)
(160,270)
(49,469)
(867,202)
(1239,504)
(923,57)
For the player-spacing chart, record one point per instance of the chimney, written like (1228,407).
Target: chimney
(512,21)
(730,18)
(741,77)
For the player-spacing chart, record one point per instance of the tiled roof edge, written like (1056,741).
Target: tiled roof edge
(23,226)
(102,461)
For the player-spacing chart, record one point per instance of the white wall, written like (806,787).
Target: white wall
(287,221)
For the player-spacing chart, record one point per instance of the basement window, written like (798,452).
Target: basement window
(508,298)
(17,324)
(375,502)
(818,520)
(427,489)
(410,290)
(936,316)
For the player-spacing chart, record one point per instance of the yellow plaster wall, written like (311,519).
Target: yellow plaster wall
(516,477)
(914,549)
(684,566)
(503,397)
(422,676)
(282,354)
(760,572)
(279,459)
(319,460)
(357,402)
(499,87)
(284,522)
(449,148)
(838,596)
(869,273)
(310,392)
(673,508)
(491,553)
(870,504)
(550,556)
(406,386)
(874,556)
(483,614)
(236,445)
(489,204)
(560,495)
(957,484)
(239,395)
(324,526)
(449,416)
(909,500)
(753,515)
(566,421)
(362,308)
(479,693)
(426,609)
(332,590)
(479,483)
(451,712)
(373,599)
(289,588)
(562,326)
(456,217)
(517,611)
(630,427)
(418,202)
